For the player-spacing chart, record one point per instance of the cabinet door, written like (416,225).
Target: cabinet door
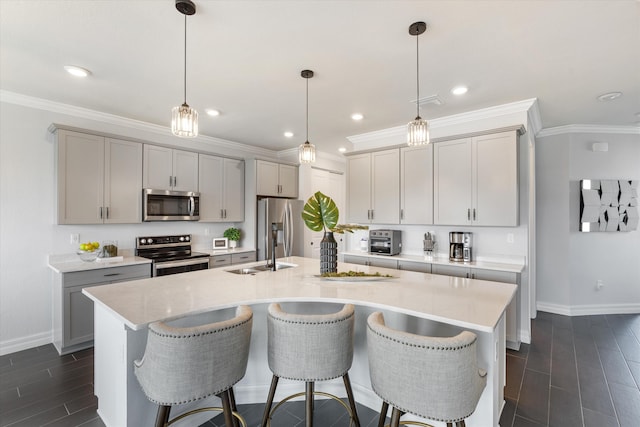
(219,261)
(233,194)
(421,267)
(450,270)
(511,316)
(78,317)
(352,259)
(185,171)
(158,167)
(452,182)
(267,178)
(384,263)
(288,180)
(122,182)
(211,183)
(385,187)
(495,180)
(359,188)
(416,185)
(80,178)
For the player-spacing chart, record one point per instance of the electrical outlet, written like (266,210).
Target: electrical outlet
(599,285)
(74,239)
(509,237)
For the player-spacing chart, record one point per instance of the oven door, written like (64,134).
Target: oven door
(164,268)
(164,205)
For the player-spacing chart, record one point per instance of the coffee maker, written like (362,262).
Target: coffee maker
(460,246)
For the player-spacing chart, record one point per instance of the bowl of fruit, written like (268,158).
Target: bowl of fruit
(89,251)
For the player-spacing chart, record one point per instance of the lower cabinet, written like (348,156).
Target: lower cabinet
(421,267)
(73,311)
(223,260)
(512,315)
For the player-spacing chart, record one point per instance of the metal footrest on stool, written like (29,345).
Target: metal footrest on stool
(235,414)
(315,393)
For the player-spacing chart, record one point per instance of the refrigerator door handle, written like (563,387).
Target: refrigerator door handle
(286,228)
(291,230)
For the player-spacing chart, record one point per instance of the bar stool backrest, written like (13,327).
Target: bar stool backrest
(310,347)
(181,365)
(432,377)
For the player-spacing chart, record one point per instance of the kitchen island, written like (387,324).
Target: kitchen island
(417,302)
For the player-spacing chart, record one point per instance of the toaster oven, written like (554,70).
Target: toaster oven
(385,242)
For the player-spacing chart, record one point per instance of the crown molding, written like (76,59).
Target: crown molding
(563,130)
(85,113)
(397,133)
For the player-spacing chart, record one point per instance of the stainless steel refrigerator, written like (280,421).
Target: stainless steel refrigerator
(287,214)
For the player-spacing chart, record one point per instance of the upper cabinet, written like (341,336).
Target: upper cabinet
(170,169)
(276,179)
(416,185)
(99,179)
(221,183)
(373,181)
(476,180)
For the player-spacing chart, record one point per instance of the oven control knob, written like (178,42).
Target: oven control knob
(186,238)
(143,241)
(150,241)
(182,238)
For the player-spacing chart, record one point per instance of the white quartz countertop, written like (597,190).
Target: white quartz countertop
(468,303)
(214,252)
(511,267)
(69,263)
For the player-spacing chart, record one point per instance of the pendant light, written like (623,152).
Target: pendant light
(307,151)
(418,129)
(184,119)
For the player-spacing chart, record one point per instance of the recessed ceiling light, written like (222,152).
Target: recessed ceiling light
(212,112)
(342,149)
(609,96)
(357,116)
(459,90)
(77,71)
(288,134)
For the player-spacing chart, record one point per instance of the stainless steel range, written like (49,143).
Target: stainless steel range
(171,254)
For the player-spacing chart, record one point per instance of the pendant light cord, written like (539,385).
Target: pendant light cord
(417,78)
(185,59)
(307,139)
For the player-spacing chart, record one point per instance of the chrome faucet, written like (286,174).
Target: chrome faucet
(274,244)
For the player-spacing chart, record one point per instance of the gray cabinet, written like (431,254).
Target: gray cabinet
(73,311)
(372,261)
(170,169)
(99,179)
(512,314)
(221,184)
(421,267)
(276,179)
(416,185)
(224,260)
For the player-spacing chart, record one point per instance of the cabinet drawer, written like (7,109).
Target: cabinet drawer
(107,275)
(421,267)
(219,261)
(243,257)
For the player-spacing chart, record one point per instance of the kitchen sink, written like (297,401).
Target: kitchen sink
(260,268)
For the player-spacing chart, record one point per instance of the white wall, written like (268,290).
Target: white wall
(28,229)
(570,262)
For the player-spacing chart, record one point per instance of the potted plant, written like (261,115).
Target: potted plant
(233,234)
(321,213)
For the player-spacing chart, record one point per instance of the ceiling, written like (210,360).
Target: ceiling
(244,59)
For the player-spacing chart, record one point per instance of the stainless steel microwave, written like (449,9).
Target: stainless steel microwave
(165,205)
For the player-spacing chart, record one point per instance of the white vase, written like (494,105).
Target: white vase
(233,244)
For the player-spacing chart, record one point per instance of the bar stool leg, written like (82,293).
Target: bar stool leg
(234,407)
(162,416)
(383,414)
(226,409)
(395,417)
(352,402)
(309,404)
(267,406)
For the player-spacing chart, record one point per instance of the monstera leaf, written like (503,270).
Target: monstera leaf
(320,212)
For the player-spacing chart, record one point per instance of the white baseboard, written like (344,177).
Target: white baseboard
(23,343)
(589,309)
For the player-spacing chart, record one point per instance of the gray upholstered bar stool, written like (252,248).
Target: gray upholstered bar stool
(310,348)
(432,377)
(181,365)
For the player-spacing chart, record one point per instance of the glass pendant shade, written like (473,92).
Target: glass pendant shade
(307,153)
(418,132)
(184,121)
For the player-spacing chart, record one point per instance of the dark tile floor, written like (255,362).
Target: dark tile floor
(578,371)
